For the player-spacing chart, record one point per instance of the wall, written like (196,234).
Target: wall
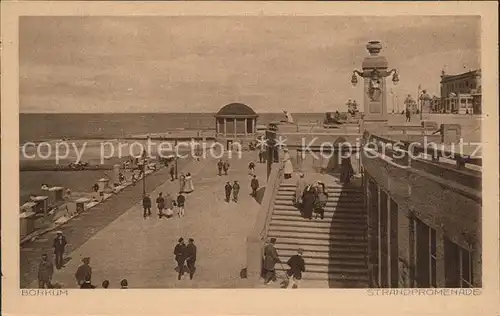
(453,211)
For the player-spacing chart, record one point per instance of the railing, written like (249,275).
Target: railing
(417,149)
(258,236)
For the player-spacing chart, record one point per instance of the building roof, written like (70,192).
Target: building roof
(236,110)
(471,73)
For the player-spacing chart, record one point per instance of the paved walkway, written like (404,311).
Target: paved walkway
(87,224)
(142,250)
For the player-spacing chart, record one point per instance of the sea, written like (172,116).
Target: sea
(40,127)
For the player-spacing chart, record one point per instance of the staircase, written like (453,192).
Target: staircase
(335,248)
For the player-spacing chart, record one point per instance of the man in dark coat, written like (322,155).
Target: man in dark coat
(297,266)
(270,260)
(160,203)
(146,204)
(220,164)
(236,191)
(228,188)
(191,257)
(225,166)
(180,256)
(172,173)
(308,201)
(84,271)
(45,272)
(59,245)
(254,184)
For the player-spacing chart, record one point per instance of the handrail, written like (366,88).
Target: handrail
(268,200)
(461,159)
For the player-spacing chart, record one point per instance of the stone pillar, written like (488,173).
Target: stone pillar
(440,265)
(234,124)
(216,126)
(225,122)
(246,126)
(375,85)
(254,125)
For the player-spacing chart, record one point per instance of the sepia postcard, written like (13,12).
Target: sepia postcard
(250,158)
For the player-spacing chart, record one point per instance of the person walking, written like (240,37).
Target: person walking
(226,166)
(181,200)
(254,185)
(146,204)
(287,165)
(45,273)
(180,256)
(182,183)
(160,203)
(297,267)
(346,170)
(59,246)
(169,206)
(236,191)
(191,257)
(251,168)
(270,260)
(172,172)
(189,183)
(228,188)
(299,189)
(321,200)
(84,271)
(308,201)
(220,165)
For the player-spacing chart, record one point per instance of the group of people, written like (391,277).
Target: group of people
(165,205)
(223,164)
(310,198)
(270,258)
(185,256)
(83,275)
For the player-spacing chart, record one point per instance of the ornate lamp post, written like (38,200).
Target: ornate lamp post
(375,70)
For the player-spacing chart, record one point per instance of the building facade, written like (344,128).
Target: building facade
(461,93)
(423,231)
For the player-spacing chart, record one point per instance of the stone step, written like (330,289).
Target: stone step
(331,198)
(316,236)
(319,224)
(329,214)
(331,192)
(332,258)
(335,280)
(348,273)
(335,263)
(337,245)
(326,250)
(291,189)
(333,222)
(329,204)
(332,186)
(317,230)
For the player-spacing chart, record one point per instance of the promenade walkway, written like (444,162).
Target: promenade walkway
(79,229)
(141,250)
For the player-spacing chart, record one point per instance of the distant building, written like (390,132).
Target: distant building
(236,123)
(461,93)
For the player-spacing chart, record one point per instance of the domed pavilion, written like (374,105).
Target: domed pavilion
(236,122)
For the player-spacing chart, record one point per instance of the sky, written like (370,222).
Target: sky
(199,64)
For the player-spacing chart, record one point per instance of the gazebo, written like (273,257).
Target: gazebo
(236,122)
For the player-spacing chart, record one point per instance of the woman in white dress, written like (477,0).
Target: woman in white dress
(189,183)
(287,163)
